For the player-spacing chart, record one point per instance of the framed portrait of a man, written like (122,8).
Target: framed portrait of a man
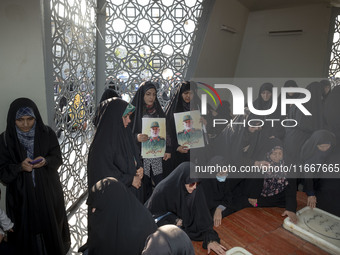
(155,146)
(188,129)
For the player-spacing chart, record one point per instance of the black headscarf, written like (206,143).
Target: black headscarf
(314,106)
(155,111)
(288,84)
(108,93)
(325,84)
(310,151)
(113,152)
(177,103)
(297,136)
(332,112)
(120,224)
(291,84)
(37,211)
(234,138)
(168,240)
(170,195)
(259,103)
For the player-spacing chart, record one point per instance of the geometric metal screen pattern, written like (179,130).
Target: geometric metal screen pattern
(149,39)
(334,66)
(73,57)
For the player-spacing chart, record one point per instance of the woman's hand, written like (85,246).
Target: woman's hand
(40,164)
(252,201)
(166,156)
(26,166)
(292,216)
(216,247)
(217,217)
(183,149)
(140,172)
(142,138)
(262,163)
(179,222)
(311,201)
(136,182)
(203,121)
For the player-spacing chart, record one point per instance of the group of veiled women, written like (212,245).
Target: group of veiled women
(164,185)
(154,206)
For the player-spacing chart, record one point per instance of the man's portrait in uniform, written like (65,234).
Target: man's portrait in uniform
(155,145)
(190,136)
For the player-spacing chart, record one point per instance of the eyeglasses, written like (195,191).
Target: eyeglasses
(193,184)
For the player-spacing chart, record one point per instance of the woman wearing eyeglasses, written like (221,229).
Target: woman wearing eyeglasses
(180,200)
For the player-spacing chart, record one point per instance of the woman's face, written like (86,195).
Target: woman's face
(150,96)
(266,95)
(25,123)
(126,119)
(188,96)
(191,187)
(276,155)
(324,147)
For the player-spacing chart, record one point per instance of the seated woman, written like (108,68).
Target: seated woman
(275,189)
(117,223)
(316,150)
(113,152)
(182,200)
(29,159)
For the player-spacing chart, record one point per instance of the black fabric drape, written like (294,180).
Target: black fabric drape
(327,189)
(108,93)
(310,154)
(120,224)
(230,144)
(38,212)
(168,239)
(170,195)
(113,152)
(296,136)
(268,130)
(332,112)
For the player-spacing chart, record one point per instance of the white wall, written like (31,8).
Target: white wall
(285,56)
(221,49)
(21,57)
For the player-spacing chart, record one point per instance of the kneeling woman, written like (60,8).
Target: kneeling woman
(182,200)
(275,190)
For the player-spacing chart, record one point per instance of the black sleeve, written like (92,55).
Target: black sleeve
(290,190)
(8,170)
(53,157)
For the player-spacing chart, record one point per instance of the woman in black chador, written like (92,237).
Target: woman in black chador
(185,99)
(108,93)
(306,124)
(316,150)
(148,106)
(181,201)
(29,159)
(118,223)
(113,152)
(264,101)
